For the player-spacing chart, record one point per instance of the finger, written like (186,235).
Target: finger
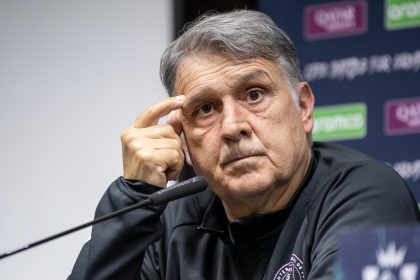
(158,144)
(174,120)
(152,165)
(169,162)
(152,115)
(175,169)
(153,132)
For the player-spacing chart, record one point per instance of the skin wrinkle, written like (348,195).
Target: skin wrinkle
(207,72)
(256,76)
(253,75)
(237,154)
(197,94)
(254,154)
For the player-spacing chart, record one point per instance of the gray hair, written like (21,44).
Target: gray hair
(242,35)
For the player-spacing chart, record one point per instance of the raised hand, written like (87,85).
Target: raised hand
(152,152)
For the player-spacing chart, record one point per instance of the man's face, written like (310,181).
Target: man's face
(243,130)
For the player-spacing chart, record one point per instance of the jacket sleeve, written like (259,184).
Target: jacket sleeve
(117,246)
(365,197)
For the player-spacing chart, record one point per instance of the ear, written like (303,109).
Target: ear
(186,151)
(306,104)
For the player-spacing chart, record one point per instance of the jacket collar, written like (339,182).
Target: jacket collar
(214,219)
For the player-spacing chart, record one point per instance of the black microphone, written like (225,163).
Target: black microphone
(182,189)
(185,188)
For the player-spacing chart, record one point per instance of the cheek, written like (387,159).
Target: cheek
(279,131)
(203,146)
(270,125)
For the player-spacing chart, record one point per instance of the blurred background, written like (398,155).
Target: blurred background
(74,74)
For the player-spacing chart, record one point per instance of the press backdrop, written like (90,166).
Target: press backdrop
(362,59)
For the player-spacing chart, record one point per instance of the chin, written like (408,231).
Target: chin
(248,185)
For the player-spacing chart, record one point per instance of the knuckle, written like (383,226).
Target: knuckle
(174,157)
(167,128)
(124,134)
(127,136)
(144,155)
(175,143)
(133,138)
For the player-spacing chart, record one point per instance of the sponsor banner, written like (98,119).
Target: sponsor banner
(340,122)
(402,116)
(349,68)
(390,252)
(402,14)
(335,19)
(408,170)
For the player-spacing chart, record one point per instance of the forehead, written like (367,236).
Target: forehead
(206,70)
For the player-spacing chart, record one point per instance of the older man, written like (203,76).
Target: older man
(240,115)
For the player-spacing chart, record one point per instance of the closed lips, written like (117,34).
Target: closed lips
(235,155)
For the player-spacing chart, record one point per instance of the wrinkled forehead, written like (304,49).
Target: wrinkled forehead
(199,69)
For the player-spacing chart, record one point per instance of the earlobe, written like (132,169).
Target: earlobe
(306,104)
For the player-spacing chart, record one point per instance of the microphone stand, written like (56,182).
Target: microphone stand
(179,190)
(82,226)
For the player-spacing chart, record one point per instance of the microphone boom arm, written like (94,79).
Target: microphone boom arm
(185,188)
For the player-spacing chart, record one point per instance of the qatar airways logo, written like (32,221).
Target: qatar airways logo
(335,19)
(402,116)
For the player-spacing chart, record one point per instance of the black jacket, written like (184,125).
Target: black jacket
(191,239)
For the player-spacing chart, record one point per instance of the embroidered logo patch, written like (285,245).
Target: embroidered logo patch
(291,270)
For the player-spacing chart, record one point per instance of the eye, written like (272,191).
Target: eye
(254,95)
(205,109)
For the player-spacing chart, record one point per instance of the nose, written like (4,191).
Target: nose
(235,121)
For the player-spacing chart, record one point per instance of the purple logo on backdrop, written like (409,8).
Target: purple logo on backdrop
(402,116)
(335,19)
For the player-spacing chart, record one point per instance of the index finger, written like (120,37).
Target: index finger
(152,114)
(175,121)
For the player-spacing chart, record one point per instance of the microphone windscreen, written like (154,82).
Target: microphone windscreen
(185,188)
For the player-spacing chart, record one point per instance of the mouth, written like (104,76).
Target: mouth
(234,158)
